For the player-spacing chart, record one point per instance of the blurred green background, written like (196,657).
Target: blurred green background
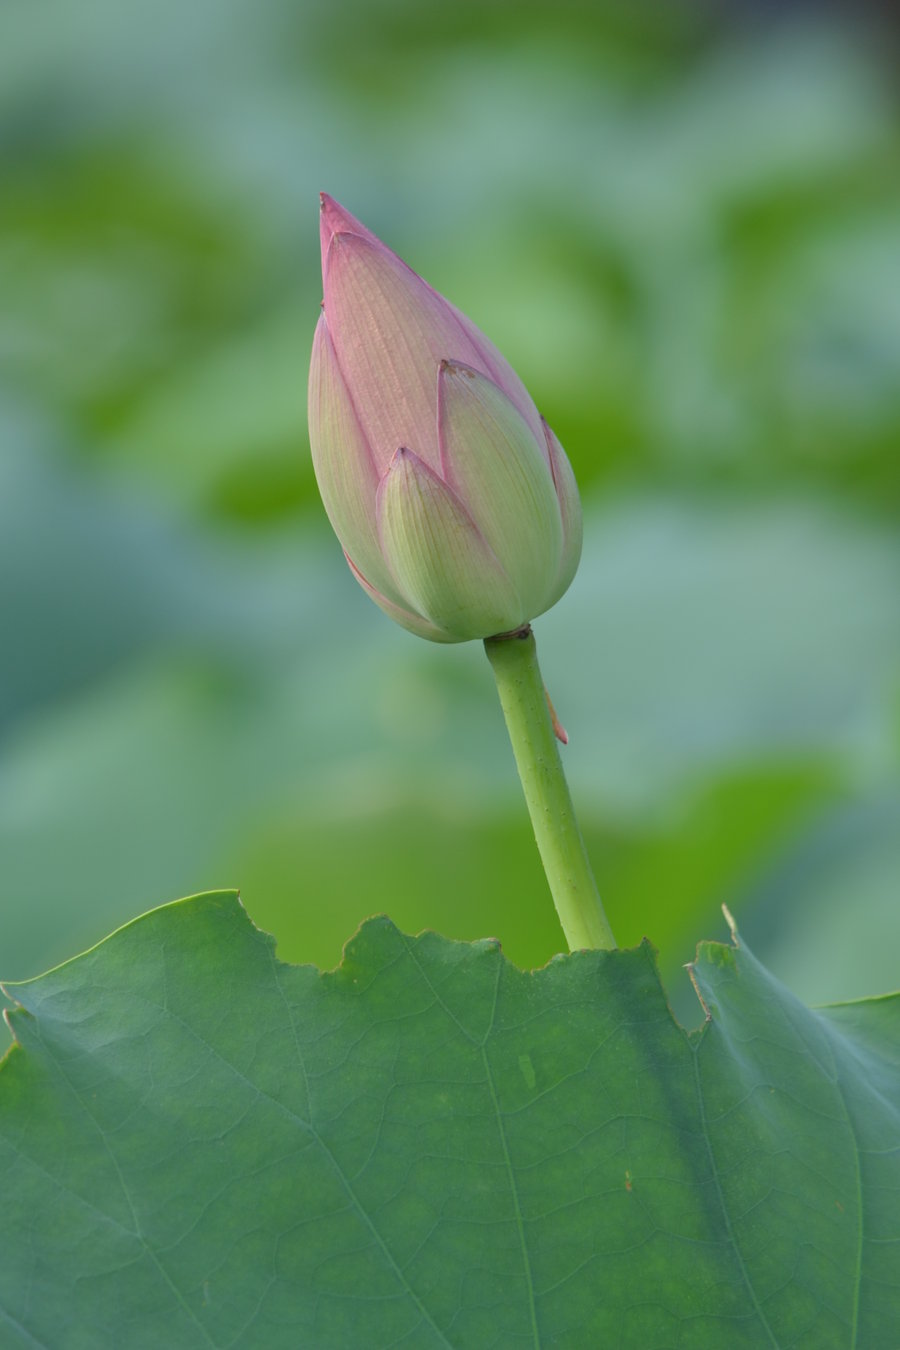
(681,224)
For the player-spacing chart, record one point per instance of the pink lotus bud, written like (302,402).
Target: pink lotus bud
(455,503)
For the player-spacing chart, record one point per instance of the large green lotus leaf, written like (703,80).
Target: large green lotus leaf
(427,1147)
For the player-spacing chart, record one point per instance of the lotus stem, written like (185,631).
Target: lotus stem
(513,658)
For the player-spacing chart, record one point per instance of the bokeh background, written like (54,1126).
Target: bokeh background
(681,223)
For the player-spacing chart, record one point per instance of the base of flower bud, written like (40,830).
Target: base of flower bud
(520,633)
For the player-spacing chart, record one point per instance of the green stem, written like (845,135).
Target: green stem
(559,841)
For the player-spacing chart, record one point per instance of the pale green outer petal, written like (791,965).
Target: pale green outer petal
(441,564)
(414,623)
(501,474)
(570,507)
(344,467)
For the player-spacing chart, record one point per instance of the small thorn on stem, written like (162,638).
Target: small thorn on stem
(559,730)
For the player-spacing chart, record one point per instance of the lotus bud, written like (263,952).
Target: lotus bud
(455,503)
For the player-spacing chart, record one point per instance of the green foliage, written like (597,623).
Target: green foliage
(200,1146)
(682,231)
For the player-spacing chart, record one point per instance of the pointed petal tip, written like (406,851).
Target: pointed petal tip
(333,214)
(336,220)
(407,468)
(333,221)
(451,367)
(403,455)
(450,377)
